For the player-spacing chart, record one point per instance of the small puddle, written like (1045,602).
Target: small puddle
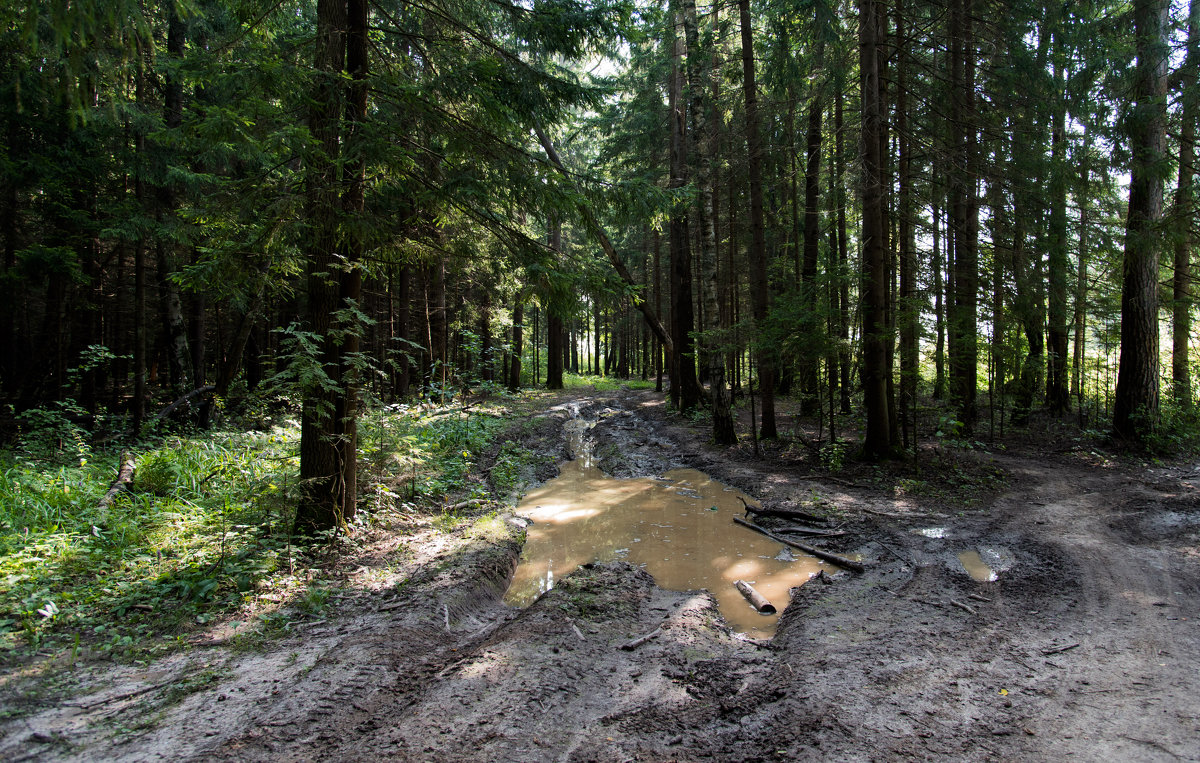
(679,528)
(978,569)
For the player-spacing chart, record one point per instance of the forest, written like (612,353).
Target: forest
(287,281)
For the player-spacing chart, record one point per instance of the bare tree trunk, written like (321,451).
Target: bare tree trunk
(704,123)
(760,294)
(1135,410)
(1185,215)
(518,342)
(179,357)
(812,236)
(1058,400)
(686,393)
(908,312)
(554,323)
(964,214)
(843,257)
(876,334)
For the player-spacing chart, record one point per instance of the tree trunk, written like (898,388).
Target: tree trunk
(964,214)
(685,387)
(1185,215)
(908,312)
(843,256)
(1058,400)
(1135,410)
(876,333)
(326,497)
(704,123)
(812,237)
(179,359)
(554,323)
(518,344)
(759,287)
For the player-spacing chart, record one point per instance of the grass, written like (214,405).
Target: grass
(203,534)
(603,383)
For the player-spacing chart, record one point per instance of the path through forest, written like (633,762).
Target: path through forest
(1085,645)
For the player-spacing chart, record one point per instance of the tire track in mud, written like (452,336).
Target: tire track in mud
(868,667)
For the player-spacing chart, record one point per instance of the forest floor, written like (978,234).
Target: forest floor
(1086,645)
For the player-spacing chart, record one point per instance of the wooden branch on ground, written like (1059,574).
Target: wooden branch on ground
(814,532)
(838,559)
(629,646)
(1057,649)
(756,599)
(781,513)
(964,607)
(121,483)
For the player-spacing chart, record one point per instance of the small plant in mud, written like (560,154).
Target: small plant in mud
(833,456)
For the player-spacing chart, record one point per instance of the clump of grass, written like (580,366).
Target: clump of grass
(603,383)
(200,529)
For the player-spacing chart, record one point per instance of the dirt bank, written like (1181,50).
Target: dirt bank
(1085,645)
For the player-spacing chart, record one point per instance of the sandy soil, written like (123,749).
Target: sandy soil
(1085,646)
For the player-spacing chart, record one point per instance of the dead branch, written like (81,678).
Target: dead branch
(1059,649)
(838,559)
(629,646)
(964,607)
(781,513)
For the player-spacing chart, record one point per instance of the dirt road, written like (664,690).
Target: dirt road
(1085,646)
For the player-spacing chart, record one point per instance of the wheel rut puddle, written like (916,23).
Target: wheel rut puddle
(678,527)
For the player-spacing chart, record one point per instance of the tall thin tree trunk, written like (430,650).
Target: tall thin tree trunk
(759,289)
(843,254)
(875,329)
(704,124)
(908,309)
(1185,215)
(965,215)
(685,387)
(1058,400)
(554,323)
(1081,286)
(812,236)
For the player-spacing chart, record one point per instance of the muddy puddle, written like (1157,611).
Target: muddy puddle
(986,562)
(678,527)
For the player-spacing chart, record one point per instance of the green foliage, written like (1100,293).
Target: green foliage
(195,537)
(513,468)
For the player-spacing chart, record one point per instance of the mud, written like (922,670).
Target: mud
(1085,646)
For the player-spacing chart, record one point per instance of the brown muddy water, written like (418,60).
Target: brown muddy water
(679,528)
(978,569)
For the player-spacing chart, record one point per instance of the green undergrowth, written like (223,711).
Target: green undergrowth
(603,383)
(203,535)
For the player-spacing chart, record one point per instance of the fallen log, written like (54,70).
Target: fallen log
(814,532)
(838,559)
(781,513)
(121,483)
(756,599)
